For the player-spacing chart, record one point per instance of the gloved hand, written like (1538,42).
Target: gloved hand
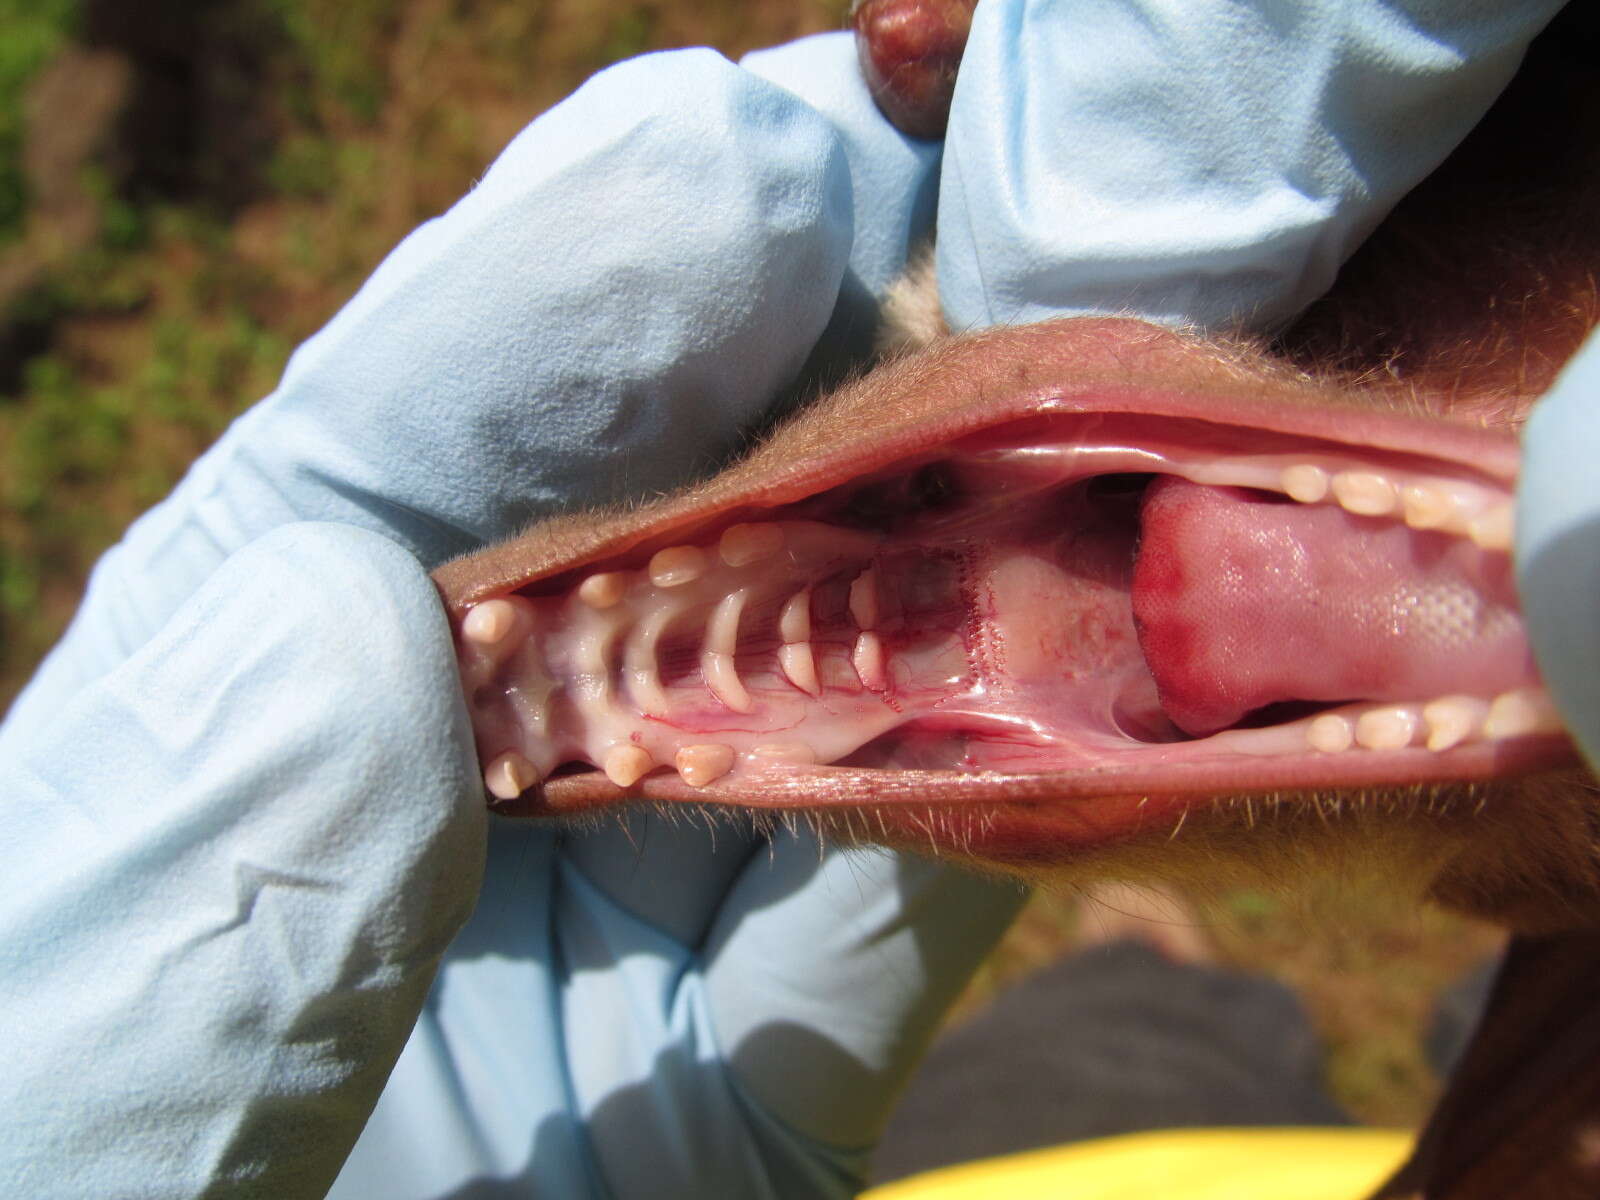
(243,818)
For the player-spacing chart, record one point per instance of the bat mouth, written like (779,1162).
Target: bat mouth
(1181,584)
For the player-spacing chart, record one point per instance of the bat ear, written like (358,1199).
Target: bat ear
(1521,1116)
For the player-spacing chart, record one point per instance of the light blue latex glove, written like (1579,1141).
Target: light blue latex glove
(1210,163)
(242,819)
(1558,543)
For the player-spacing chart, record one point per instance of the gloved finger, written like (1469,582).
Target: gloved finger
(1558,543)
(230,867)
(830,968)
(1211,167)
(601,317)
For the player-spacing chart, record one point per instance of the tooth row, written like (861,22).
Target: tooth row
(1441,724)
(1426,504)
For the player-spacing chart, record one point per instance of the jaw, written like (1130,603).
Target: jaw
(1045,590)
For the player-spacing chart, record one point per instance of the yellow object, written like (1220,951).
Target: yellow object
(1176,1164)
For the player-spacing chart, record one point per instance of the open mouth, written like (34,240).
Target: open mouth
(1025,591)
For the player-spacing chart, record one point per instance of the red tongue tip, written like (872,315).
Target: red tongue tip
(1243,599)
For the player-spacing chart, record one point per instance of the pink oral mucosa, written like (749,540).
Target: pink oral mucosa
(1101,591)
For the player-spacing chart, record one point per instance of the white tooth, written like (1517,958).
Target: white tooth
(1305,483)
(1364,493)
(1520,712)
(508,776)
(1452,719)
(1386,728)
(603,589)
(626,765)
(799,667)
(1427,506)
(867,658)
(1491,530)
(864,599)
(639,661)
(722,630)
(789,752)
(794,625)
(700,765)
(1329,733)
(745,544)
(488,622)
(722,677)
(677,565)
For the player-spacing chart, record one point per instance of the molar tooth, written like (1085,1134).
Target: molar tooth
(1330,733)
(1491,530)
(488,622)
(864,599)
(1427,506)
(794,625)
(603,589)
(745,544)
(677,565)
(1521,711)
(867,658)
(1452,719)
(508,776)
(700,765)
(799,667)
(1305,482)
(625,765)
(1365,493)
(1386,728)
(789,752)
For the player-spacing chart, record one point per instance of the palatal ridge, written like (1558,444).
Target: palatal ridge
(768,647)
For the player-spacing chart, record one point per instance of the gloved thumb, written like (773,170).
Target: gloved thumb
(230,867)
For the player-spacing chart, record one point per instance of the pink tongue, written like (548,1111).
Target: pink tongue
(1242,600)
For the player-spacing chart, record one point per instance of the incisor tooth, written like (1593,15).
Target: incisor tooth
(867,658)
(700,765)
(603,589)
(1491,530)
(1304,482)
(794,625)
(1452,719)
(1364,493)
(864,599)
(744,544)
(799,667)
(626,765)
(1329,733)
(508,776)
(488,622)
(677,565)
(1520,712)
(1386,728)
(1427,506)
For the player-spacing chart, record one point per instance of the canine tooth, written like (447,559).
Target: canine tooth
(626,765)
(1305,483)
(722,677)
(867,658)
(508,776)
(722,630)
(794,625)
(1427,506)
(677,565)
(700,765)
(1330,733)
(645,690)
(603,589)
(1452,719)
(790,752)
(1386,728)
(799,667)
(745,544)
(639,662)
(488,622)
(1491,530)
(1521,711)
(864,599)
(1364,493)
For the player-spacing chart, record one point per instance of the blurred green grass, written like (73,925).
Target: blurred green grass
(160,296)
